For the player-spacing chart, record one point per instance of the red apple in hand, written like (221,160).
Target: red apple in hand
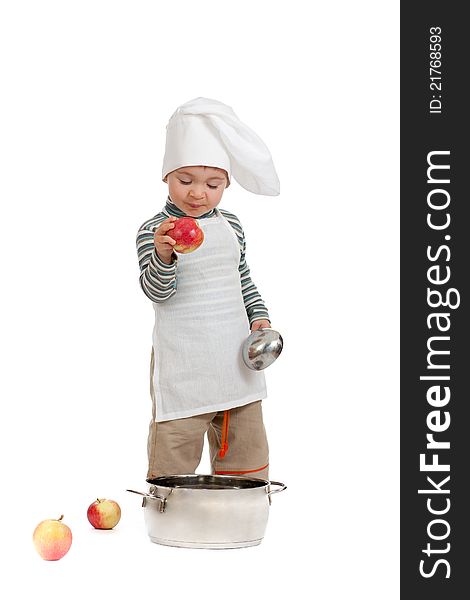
(103,513)
(52,539)
(187,235)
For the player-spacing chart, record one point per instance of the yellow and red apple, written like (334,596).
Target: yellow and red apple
(104,513)
(187,234)
(52,539)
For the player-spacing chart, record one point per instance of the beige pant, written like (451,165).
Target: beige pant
(175,447)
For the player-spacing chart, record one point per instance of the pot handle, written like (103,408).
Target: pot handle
(282,488)
(153,497)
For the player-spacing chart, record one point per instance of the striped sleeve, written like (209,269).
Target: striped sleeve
(157,279)
(254,304)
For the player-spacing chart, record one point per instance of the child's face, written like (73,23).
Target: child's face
(196,190)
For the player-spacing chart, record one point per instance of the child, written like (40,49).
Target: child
(205,302)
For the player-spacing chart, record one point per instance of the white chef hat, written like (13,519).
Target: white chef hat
(207,132)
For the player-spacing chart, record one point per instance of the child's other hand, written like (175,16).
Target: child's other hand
(164,243)
(261,323)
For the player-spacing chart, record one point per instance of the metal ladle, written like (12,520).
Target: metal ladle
(261,348)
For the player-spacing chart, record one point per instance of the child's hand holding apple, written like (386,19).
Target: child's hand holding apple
(179,235)
(163,242)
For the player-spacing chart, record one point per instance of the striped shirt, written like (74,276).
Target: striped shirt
(159,280)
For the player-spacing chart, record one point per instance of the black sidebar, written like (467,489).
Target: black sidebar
(434,301)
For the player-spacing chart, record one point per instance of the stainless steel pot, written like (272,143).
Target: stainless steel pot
(207,511)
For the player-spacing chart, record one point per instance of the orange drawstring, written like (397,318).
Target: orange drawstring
(224,443)
(241,472)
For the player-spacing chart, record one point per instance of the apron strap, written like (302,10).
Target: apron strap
(224,443)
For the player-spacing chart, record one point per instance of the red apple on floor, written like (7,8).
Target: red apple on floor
(52,539)
(103,513)
(187,235)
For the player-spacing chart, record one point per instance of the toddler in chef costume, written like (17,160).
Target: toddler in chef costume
(205,301)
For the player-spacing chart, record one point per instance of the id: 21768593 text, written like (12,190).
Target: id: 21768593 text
(435,70)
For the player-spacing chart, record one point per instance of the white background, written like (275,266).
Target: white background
(88,88)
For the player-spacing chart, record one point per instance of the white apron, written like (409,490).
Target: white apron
(199,332)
